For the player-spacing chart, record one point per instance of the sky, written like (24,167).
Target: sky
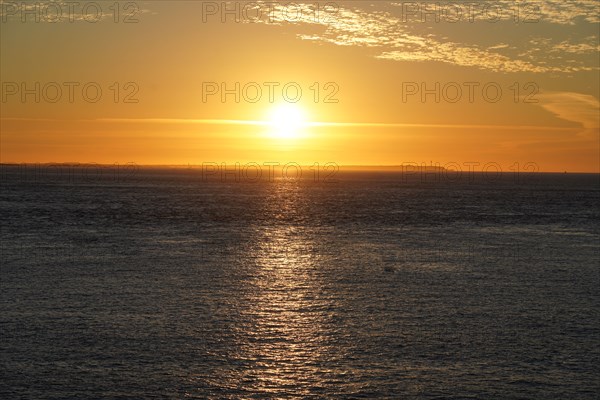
(349,82)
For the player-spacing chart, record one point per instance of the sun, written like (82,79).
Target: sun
(287,121)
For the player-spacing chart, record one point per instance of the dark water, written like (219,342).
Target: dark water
(159,284)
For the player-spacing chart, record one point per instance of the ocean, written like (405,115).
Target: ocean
(167,283)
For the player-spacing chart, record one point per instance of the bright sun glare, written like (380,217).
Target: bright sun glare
(286,121)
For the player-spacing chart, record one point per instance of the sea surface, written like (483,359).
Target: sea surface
(170,283)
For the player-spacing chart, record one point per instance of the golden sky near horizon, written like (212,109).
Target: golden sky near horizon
(350,82)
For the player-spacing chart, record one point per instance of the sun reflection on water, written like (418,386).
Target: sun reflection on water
(286,336)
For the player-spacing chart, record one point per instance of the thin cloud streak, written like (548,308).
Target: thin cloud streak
(308,124)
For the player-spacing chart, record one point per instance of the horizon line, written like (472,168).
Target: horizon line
(358,166)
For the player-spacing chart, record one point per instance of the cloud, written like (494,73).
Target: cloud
(591,46)
(387,29)
(550,11)
(567,12)
(575,107)
(191,121)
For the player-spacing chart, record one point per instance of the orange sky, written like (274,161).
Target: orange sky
(361,67)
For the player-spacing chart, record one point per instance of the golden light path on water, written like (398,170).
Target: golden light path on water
(286,336)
